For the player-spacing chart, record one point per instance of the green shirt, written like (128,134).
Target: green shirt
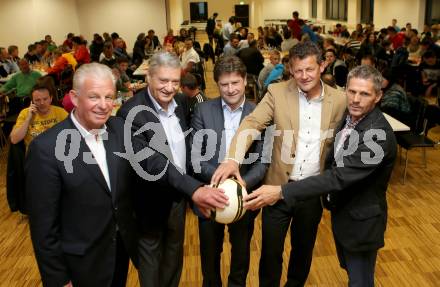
(23,83)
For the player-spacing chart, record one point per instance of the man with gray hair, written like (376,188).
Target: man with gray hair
(78,190)
(160,209)
(355,179)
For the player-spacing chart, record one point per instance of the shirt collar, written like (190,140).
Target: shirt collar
(226,106)
(350,124)
(83,131)
(171,106)
(321,96)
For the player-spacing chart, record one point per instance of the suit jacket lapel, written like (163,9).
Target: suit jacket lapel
(219,125)
(292,111)
(112,163)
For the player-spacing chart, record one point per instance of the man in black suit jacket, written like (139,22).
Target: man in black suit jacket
(355,181)
(79,190)
(161,211)
(223,116)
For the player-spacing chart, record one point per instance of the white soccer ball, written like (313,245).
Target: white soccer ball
(234,211)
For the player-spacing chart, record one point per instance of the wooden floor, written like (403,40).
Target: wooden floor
(411,256)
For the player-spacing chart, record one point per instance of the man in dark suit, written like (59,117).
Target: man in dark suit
(80,216)
(223,116)
(160,125)
(79,190)
(210,27)
(355,180)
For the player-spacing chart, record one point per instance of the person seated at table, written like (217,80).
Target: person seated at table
(395,38)
(59,65)
(154,39)
(51,44)
(96,47)
(189,58)
(414,48)
(280,72)
(14,58)
(68,41)
(289,41)
(107,57)
(368,60)
(22,82)
(38,117)
(244,43)
(252,58)
(80,51)
(428,44)
(332,62)
(123,80)
(328,43)
(119,50)
(231,48)
(169,38)
(139,50)
(183,34)
(274,59)
(31,56)
(370,46)
(4,65)
(394,100)
(337,31)
(273,38)
(430,73)
(68,55)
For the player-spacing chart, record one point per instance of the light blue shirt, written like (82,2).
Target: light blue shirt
(231,121)
(173,132)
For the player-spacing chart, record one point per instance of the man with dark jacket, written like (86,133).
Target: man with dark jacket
(355,179)
(252,58)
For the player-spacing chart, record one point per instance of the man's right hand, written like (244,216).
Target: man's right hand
(225,170)
(208,198)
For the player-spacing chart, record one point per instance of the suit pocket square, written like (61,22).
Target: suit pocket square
(366,212)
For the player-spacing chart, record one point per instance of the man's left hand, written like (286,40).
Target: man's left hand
(263,196)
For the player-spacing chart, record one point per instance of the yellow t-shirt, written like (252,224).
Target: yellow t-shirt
(40,123)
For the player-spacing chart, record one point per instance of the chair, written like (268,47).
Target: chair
(417,137)
(253,87)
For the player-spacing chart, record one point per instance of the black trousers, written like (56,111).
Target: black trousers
(304,219)
(359,265)
(161,252)
(211,236)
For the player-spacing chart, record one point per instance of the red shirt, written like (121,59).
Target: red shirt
(82,55)
(59,65)
(397,40)
(295,29)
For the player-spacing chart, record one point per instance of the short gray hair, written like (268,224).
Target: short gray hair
(367,72)
(163,59)
(92,70)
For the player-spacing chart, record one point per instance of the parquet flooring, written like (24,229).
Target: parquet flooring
(411,256)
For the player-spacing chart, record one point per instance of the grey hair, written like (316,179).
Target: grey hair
(163,59)
(92,70)
(367,72)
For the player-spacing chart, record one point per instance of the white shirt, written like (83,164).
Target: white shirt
(173,132)
(96,145)
(227,31)
(189,56)
(307,154)
(231,121)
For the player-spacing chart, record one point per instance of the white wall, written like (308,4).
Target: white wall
(128,18)
(176,14)
(282,9)
(26,21)
(404,11)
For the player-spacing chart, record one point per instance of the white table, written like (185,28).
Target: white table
(397,125)
(142,69)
